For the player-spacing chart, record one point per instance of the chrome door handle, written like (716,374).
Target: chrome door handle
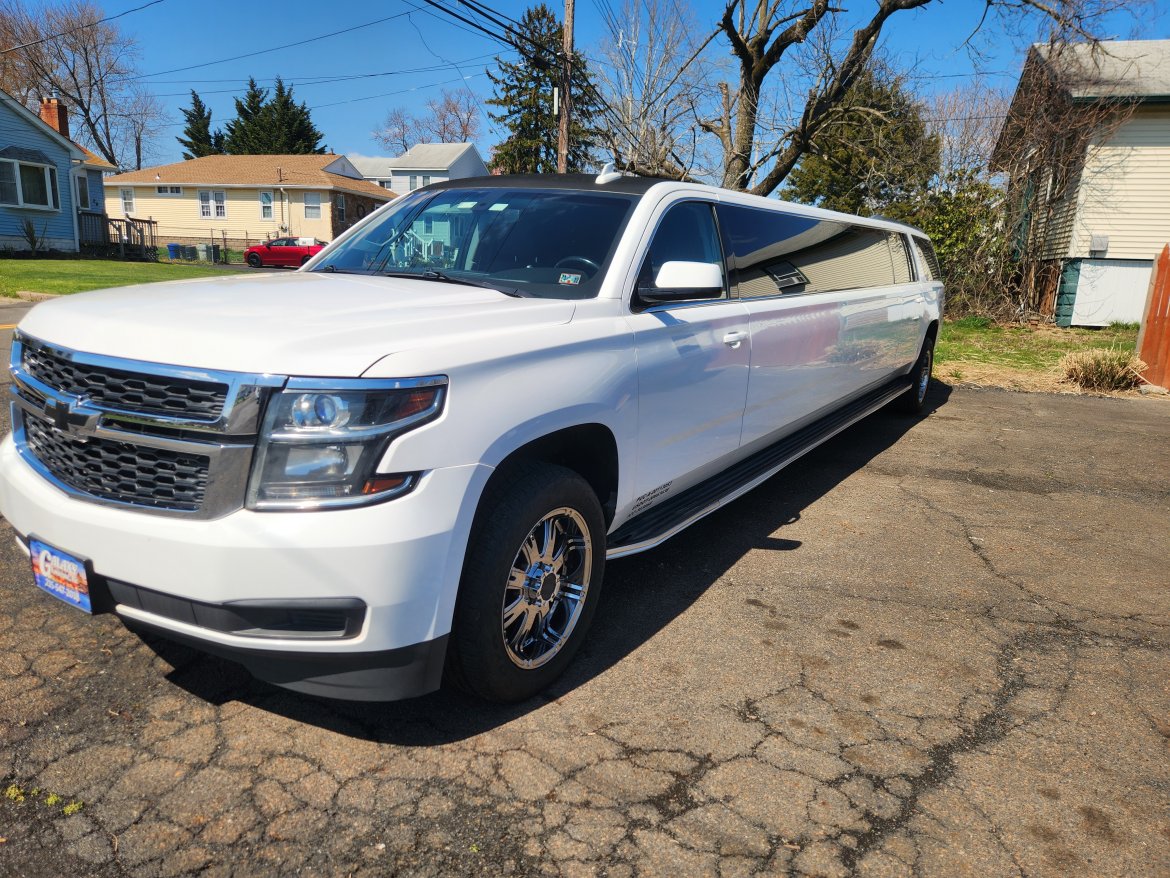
(733,339)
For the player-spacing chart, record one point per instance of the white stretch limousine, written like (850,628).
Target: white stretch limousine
(412,457)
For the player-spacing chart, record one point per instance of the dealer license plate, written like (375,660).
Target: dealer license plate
(60,574)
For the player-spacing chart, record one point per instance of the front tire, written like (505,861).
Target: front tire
(913,401)
(254,260)
(531,582)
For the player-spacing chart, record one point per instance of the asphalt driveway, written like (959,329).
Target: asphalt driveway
(929,648)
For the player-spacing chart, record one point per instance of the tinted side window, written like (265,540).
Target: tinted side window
(900,257)
(928,259)
(687,234)
(778,253)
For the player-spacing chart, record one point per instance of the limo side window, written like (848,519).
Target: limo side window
(687,233)
(927,258)
(776,253)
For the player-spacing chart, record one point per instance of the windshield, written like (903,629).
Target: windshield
(535,242)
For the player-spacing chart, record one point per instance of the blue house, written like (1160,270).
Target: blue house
(40,174)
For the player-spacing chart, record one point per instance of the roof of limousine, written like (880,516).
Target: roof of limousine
(634,185)
(626,185)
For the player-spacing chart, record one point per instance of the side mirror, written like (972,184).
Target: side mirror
(684,281)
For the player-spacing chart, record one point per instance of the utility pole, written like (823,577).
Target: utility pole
(565,95)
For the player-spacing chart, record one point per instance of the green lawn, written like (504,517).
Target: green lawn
(1027,348)
(78,275)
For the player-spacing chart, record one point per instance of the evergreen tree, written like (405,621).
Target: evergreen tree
(245,134)
(198,139)
(276,126)
(291,129)
(524,93)
(878,158)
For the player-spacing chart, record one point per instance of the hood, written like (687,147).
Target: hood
(300,323)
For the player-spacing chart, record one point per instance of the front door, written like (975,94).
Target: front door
(692,367)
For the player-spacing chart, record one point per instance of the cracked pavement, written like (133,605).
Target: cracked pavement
(929,648)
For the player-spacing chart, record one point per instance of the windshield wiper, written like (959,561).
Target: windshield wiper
(431,274)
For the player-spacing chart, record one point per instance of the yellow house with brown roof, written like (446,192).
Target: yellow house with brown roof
(246,199)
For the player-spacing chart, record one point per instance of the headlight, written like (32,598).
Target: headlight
(322,440)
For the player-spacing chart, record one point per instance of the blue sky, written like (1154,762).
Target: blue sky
(350,80)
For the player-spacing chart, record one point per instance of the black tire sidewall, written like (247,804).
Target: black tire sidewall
(254,260)
(510,509)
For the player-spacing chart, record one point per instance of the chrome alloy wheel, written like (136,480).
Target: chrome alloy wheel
(546,588)
(924,374)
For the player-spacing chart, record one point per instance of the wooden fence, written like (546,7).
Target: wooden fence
(1153,342)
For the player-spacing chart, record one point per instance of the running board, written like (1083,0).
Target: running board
(657,525)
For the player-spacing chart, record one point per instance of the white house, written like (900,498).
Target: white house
(1102,218)
(421,165)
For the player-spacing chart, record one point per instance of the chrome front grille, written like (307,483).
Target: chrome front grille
(161,439)
(120,471)
(123,390)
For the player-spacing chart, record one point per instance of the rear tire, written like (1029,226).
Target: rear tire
(913,401)
(254,260)
(530,585)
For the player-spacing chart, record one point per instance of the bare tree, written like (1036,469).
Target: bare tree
(399,131)
(453,117)
(653,83)
(91,65)
(763,126)
(1070,101)
(967,121)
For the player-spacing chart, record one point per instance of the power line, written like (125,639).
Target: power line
(302,83)
(313,79)
(86,26)
(393,93)
(312,39)
(483,111)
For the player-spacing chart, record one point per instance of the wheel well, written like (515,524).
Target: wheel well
(588,449)
(932,330)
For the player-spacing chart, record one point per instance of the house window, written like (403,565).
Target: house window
(428,226)
(312,205)
(212,203)
(426,180)
(82,192)
(29,185)
(340,207)
(265,205)
(413,182)
(168,190)
(127,202)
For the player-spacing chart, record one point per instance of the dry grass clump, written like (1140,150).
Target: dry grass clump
(1102,369)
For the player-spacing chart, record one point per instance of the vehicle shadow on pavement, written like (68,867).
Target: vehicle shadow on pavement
(642,595)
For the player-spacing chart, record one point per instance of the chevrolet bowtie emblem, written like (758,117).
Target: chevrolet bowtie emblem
(71,416)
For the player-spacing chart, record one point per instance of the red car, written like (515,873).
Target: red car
(283,251)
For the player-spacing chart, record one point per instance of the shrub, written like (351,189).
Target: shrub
(1102,368)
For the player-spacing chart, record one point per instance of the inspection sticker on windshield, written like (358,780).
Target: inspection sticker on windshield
(570,279)
(61,575)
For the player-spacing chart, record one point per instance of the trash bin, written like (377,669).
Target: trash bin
(204,251)
(190,253)
(174,251)
(215,253)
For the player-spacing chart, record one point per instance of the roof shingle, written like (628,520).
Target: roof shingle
(293,171)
